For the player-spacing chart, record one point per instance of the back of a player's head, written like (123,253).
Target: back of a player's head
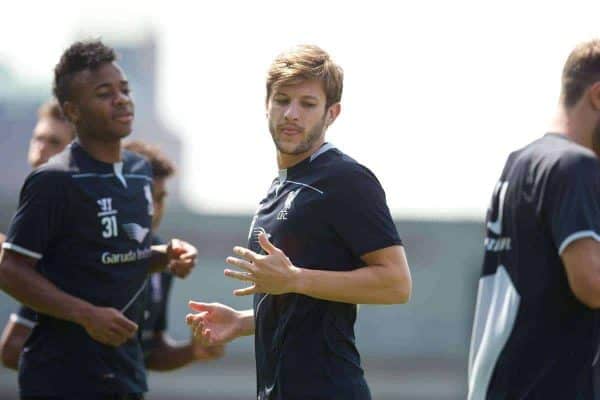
(161,166)
(306,62)
(51,109)
(80,56)
(581,70)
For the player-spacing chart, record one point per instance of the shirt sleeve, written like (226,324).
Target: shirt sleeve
(358,212)
(25,316)
(572,201)
(39,217)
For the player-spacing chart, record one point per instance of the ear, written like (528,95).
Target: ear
(71,111)
(594,95)
(332,113)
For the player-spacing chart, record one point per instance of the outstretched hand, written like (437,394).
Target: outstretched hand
(272,273)
(214,324)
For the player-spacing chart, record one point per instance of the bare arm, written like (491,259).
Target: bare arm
(385,280)
(19,278)
(582,263)
(11,343)
(169,354)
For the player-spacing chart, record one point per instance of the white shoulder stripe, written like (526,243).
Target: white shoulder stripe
(138,176)
(305,185)
(576,236)
(21,250)
(93,175)
(17,319)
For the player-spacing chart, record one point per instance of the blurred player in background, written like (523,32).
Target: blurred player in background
(161,352)
(536,327)
(51,134)
(321,242)
(78,250)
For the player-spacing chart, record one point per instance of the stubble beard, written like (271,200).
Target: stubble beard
(314,135)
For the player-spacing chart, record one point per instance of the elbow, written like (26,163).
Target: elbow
(587,291)
(403,293)
(588,296)
(400,289)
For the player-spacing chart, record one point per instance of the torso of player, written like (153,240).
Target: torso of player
(300,338)
(529,328)
(105,238)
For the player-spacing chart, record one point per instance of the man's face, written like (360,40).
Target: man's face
(50,137)
(297,117)
(159,195)
(101,105)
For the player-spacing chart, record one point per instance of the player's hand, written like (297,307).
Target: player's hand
(206,353)
(214,324)
(273,273)
(182,257)
(109,326)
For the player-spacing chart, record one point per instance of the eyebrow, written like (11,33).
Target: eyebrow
(305,97)
(107,84)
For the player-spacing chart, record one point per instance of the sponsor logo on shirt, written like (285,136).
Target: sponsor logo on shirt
(109,258)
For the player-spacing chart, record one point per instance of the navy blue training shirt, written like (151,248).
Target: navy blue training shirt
(532,338)
(87,223)
(324,213)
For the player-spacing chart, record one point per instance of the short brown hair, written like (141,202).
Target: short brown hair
(581,70)
(162,167)
(51,109)
(307,62)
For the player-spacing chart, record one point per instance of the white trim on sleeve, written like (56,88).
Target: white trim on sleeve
(17,319)
(21,250)
(576,236)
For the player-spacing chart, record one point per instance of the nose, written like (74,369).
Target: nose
(122,98)
(292,111)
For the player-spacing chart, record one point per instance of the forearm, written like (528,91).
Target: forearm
(11,343)
(29,287)
(170,355)
(9,354)
(373,284)
(246,322)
